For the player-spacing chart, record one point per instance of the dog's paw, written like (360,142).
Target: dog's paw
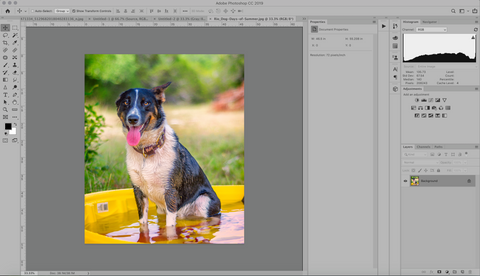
(143,227)
(144,221)
(171,233)
(171,219)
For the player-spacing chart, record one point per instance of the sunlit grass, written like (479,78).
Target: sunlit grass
(215,140)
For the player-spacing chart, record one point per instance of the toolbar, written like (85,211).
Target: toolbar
(236,10)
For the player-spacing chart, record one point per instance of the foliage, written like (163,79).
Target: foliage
(195,78)
(94,124)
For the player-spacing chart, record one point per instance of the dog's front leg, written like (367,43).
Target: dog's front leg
(142,206)
(171,202)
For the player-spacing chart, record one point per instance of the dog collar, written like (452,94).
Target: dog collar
(150,150)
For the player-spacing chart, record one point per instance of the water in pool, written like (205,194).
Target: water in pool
(227,228)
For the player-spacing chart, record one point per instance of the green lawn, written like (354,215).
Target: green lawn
(216,141)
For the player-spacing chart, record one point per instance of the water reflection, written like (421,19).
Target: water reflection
(228,227)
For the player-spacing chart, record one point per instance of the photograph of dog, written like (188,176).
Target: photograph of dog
(164,148)
(160,167)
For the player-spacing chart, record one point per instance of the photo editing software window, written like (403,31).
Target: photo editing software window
(240,137)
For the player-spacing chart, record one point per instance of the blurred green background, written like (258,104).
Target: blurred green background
(215,139)
(195,78)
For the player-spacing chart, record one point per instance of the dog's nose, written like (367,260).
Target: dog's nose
(133,119)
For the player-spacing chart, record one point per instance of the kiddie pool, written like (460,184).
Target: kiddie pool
(119,205)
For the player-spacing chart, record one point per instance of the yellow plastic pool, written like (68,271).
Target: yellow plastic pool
(108,209)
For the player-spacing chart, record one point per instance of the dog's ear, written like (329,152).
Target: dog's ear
(120,98)
(159,92)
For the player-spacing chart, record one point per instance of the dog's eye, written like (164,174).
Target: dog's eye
(146,103)
(125,102)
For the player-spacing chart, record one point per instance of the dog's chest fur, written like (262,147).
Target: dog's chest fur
(152,174)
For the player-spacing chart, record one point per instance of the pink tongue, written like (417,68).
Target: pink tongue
(133,136)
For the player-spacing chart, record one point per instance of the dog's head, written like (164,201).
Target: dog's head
(140,110)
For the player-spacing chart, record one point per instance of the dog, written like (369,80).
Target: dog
(160,167)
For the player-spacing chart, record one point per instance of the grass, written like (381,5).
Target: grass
(215,140)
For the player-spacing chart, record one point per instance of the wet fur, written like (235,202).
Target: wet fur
(171,178)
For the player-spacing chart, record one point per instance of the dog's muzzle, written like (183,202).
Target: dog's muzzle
(133,119)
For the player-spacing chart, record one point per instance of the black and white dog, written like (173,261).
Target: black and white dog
(161,168)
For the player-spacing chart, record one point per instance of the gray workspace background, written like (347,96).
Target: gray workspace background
(273,149)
